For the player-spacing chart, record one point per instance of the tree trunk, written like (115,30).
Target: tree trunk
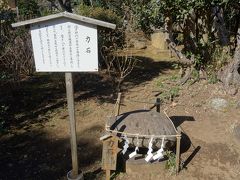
(219,25)
(236,28)
(172,46)
(65,5)
(189,33)
(168,28)
(230,75)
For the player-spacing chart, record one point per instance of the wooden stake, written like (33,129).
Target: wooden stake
(158,105)
(178,153)
(118,104)
(71,111)
(108,174)
(109,155)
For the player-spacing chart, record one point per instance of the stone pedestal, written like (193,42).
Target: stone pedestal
(138,164)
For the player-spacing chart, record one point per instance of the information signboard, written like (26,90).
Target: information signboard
(63,45)
(66,42)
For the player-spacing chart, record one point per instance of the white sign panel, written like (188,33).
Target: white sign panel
(64,45)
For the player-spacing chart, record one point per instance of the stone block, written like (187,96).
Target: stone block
(158,40)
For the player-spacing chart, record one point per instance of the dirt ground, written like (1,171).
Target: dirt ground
(36,143)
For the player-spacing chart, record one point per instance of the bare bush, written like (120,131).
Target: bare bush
(118,66)
(17,58)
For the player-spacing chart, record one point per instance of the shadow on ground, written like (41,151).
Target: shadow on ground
(178,120)
(28,101)
(33,154)
(186,142)
(36,155)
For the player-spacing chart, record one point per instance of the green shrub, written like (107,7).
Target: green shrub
(171,162)
(195,74)
(28,9)
(170,94)
(7,17)
(212,78)
(98,13)
(107,37)
(220,57)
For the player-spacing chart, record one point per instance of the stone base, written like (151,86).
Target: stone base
(138,164)
(79,177)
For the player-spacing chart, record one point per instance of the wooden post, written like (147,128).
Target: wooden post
(178,153)
(118,104)
(108,174)
(158,105)
(71,111)
(109,155)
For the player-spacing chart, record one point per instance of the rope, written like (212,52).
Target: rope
(142,135)
(145,102)
(170,121)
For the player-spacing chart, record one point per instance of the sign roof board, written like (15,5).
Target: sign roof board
(65,15)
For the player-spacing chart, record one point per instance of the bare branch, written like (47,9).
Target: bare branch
(182,58)
(118,66)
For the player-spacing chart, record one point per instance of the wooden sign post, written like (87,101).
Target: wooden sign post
(66,42)
(71,110)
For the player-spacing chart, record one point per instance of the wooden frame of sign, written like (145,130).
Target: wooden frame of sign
(66,42)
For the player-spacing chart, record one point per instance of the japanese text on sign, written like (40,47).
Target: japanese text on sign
(65,46)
